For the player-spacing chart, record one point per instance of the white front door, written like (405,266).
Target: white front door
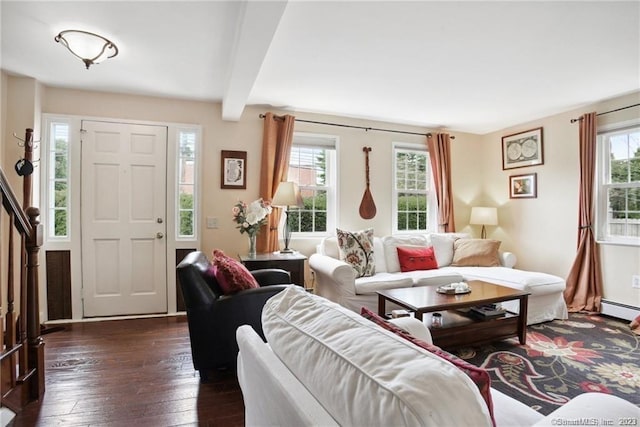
(123,215)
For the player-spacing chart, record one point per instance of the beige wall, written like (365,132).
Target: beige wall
(541,231)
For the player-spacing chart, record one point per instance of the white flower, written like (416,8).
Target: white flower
(252,218)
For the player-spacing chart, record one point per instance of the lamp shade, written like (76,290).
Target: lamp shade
(484,216)
(287,194)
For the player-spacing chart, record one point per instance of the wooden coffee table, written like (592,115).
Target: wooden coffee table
(459,326)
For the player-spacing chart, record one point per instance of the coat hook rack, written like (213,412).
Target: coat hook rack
(24,142)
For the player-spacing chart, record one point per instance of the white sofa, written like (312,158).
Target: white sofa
(325,365)
(337,281)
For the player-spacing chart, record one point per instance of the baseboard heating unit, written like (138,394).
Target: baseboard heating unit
(621,311)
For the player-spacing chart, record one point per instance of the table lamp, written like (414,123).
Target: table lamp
(484,216)
(287,195)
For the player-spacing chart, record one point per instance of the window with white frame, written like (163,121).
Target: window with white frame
(414,204)
(186,206)
(312,165)
(618,193)
(58,180)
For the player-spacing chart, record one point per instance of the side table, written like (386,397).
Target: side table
(293,263)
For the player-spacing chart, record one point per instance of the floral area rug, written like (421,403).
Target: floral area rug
(562,359)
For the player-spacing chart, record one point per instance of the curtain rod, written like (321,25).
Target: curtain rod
(366,129)
(607,112)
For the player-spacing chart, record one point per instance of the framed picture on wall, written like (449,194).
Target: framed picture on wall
(523,186)
(522,149)
(233,170)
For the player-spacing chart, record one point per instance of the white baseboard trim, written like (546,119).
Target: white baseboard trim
(621,311)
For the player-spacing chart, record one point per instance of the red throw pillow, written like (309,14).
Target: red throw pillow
(478,375)
(232,275)
(416,258)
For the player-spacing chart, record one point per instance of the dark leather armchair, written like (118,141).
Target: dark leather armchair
(213,317)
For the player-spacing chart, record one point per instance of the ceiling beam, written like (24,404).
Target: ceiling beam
(257,24)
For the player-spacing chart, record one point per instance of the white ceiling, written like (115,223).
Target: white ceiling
(473,66)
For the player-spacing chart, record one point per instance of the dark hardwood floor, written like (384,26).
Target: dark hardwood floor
(130,373)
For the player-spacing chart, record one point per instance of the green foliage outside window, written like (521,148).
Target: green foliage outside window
(412,212)
(186,214)
(313,216)
(61,189)
(624,203)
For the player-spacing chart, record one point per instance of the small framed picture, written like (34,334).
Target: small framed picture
(233,169)
(522,149)
(523,186)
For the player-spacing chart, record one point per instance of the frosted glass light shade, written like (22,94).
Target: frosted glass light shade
(90,48)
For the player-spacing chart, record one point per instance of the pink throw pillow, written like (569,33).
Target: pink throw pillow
(478,375)
(232,275)
(416,258)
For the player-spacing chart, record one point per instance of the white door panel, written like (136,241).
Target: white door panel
(123,211)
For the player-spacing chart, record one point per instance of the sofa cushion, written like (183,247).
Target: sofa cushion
(476,253)
(231,275)
(443,246)
(391,243)
(436,277)
(348,362)
(381,281)
(530,281)
(478,375)
(413,258)
(356,248)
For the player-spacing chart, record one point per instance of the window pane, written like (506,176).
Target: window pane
(411,184)
(402,202)
(619,171)
(621,188)
(60,196)
(402,221)
(306,221)
(60,168)
(186,197)
(321,221)
(58,180)
(633,203)
(186,183)
(60,223)
(186,223)
(309,167)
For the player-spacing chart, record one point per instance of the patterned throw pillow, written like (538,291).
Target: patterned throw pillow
(416,258)
(356,248)
(478,375)
(232,276)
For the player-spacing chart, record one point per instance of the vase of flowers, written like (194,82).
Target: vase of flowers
(250,218)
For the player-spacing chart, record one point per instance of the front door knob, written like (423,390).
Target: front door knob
(159,235)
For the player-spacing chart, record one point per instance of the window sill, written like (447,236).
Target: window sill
(635,243)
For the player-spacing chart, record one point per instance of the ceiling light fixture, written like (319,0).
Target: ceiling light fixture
(89,47)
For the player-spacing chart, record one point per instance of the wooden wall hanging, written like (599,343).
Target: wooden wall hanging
(367,205)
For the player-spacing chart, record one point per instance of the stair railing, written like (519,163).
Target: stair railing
(22,376)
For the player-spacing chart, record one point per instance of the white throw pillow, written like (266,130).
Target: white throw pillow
(391,243)
(443,246)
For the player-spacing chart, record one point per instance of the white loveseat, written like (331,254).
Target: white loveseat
(325,365)
(337,281)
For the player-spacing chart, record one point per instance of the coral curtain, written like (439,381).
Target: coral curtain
(584,284)
(276,147)
(440,155)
